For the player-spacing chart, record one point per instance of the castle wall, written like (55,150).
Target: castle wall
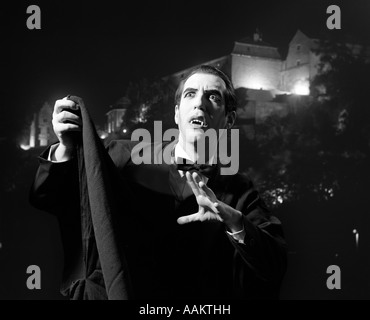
(255,72)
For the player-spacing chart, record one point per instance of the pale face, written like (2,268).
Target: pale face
(202,106)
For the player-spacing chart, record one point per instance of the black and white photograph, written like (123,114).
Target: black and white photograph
(174,153)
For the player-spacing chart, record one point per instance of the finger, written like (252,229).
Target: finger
(66,116)
(199,183)
(214,208)
(205,201)
(207,191)
(192,184)
(187,219)
(63,104)
(196,178)
(63,128)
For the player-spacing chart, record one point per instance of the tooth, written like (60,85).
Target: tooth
(199,122)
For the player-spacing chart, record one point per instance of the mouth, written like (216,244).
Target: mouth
(199,122)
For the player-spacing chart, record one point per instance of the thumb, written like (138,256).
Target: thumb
(186,219)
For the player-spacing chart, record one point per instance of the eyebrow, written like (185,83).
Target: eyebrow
(214,91)
(211,91)
(189,89)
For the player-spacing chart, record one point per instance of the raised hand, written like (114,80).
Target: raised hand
(206,199)
(65,122)
(210,208)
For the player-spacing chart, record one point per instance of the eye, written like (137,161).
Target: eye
(189,94)
(215,97)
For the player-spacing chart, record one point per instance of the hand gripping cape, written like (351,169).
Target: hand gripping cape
(105,267)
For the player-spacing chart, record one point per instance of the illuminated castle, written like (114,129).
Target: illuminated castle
(257,65)
(266,83)
(260,75)
(40,131)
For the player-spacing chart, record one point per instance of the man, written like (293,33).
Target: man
(190,234)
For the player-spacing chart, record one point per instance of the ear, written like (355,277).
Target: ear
(177,114)
(230,119)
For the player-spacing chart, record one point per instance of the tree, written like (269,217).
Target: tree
(150,101)
(322,151)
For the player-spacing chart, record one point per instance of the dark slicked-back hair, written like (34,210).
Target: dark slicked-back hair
(230,98)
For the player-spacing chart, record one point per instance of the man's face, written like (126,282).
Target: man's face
(202,106)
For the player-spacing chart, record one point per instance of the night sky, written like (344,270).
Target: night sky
(93,49)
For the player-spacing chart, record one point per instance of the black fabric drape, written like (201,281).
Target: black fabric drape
(105,267)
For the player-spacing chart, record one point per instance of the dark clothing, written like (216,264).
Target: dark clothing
(167,260)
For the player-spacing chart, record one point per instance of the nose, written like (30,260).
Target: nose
(200,102)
